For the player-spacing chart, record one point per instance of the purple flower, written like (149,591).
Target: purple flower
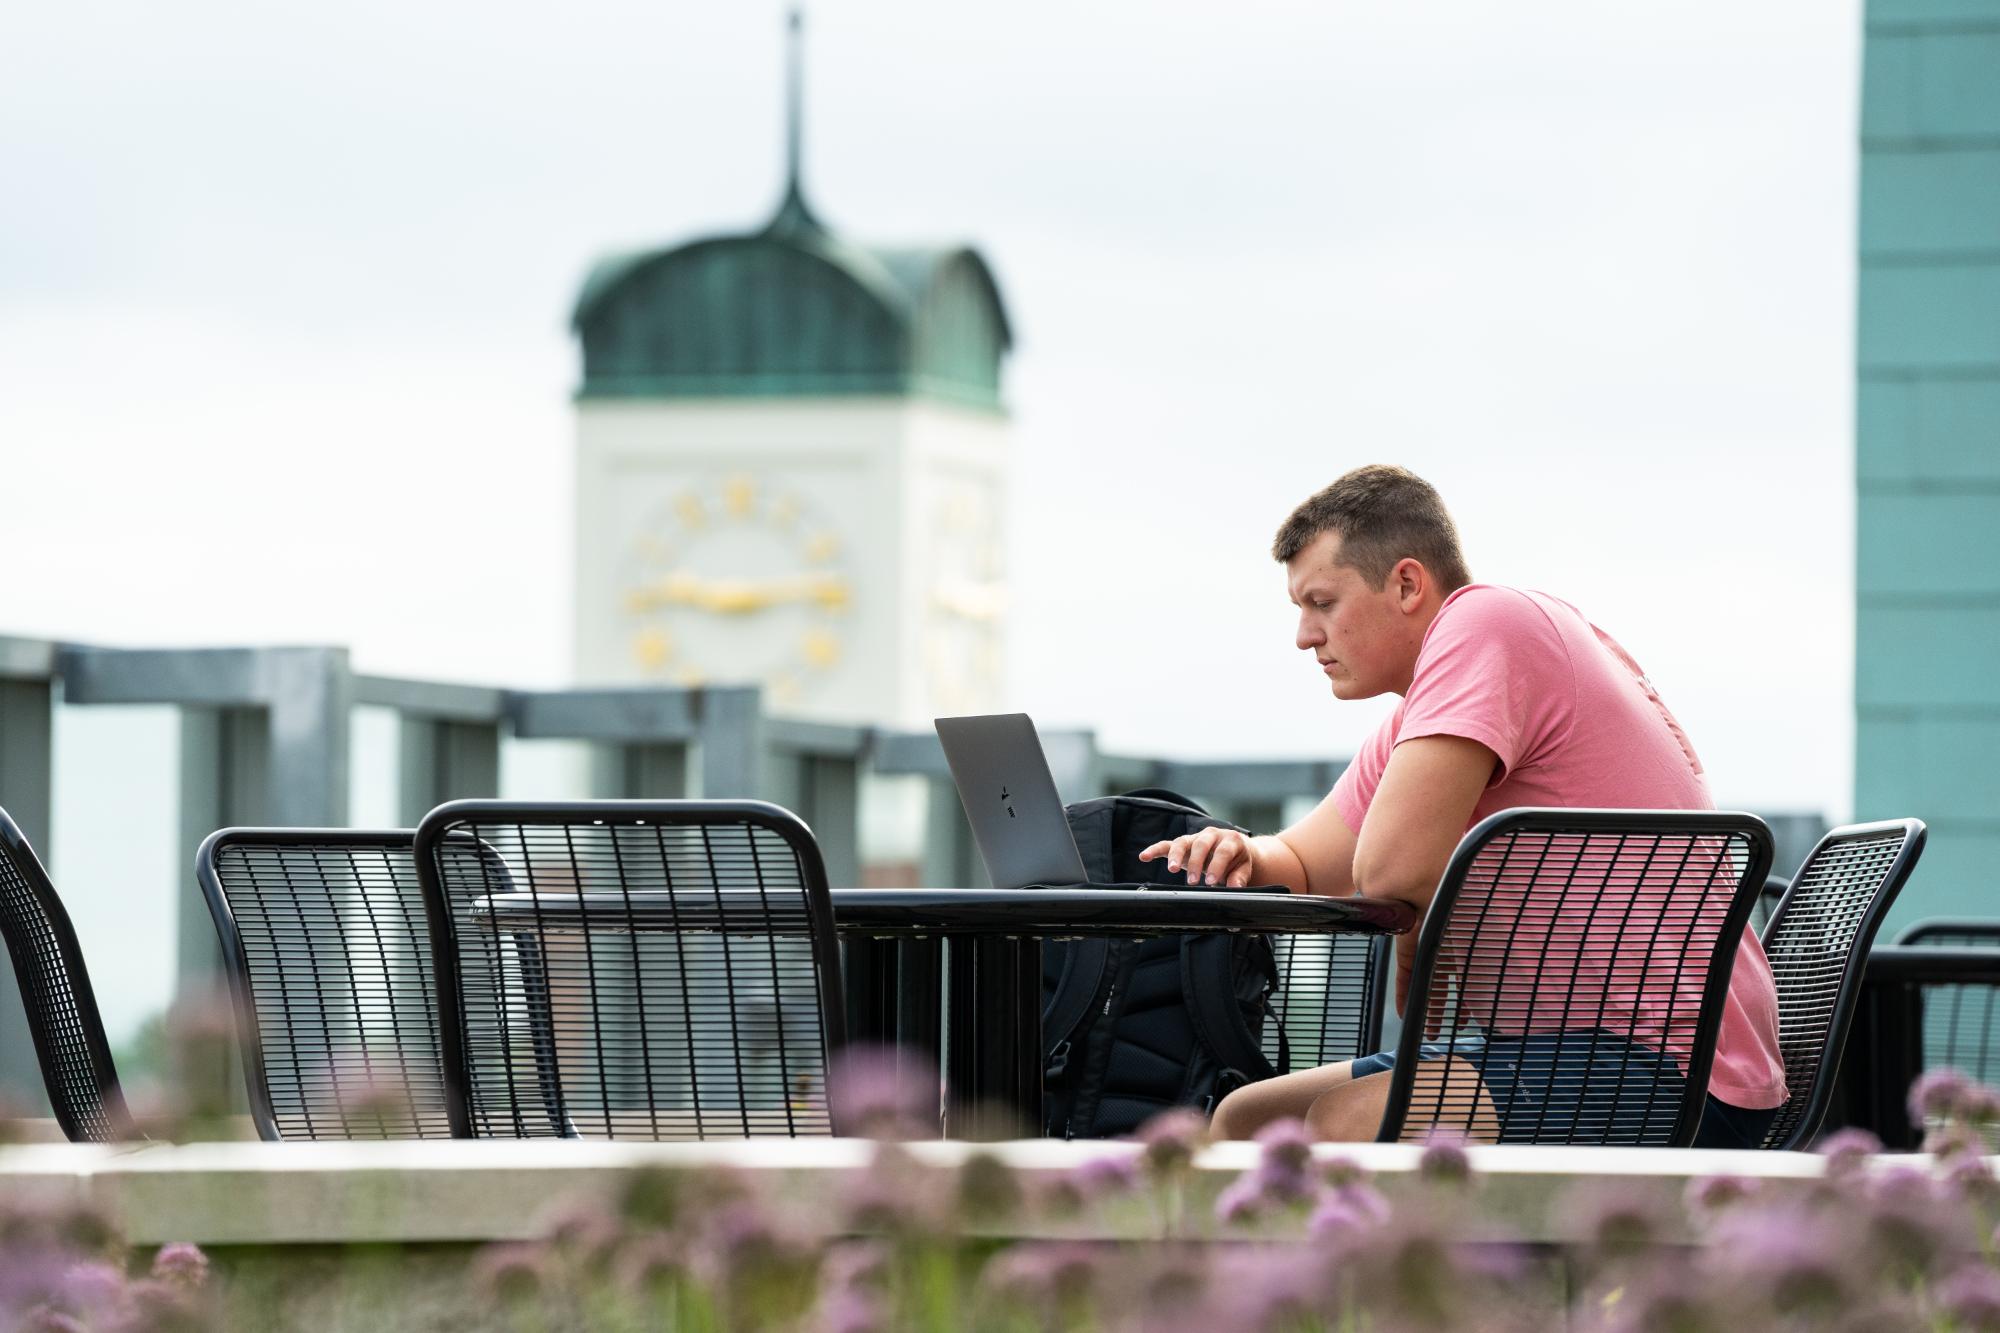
(1286,1144)
(1445,1160)
(1338,1218)
(1971,1296)
(1906,1186)
(1106,1174)
(42,1319)
(1938,1094)
(1339,1171)
(1847,1151)
(1240,1201)
(883,1092)
(181,1264)
(1170,1140)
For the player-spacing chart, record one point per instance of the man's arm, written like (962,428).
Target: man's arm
(1426,798)
(1315,855)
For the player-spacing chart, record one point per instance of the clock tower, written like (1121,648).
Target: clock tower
(791,459)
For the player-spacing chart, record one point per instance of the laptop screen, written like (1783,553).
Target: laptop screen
(1010,799)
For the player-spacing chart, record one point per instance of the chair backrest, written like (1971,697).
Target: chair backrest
(1329,1003)
(1576,961)
(632,969)
(1961,1018)
(328,954)
(1817,942)
(55,990)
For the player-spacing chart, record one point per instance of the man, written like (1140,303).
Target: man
(1509,698)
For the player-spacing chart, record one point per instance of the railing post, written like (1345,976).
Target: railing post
(814,770)
(650,770)
(440,759)
(951,858)
(825,791)
(278,757)
(730,728)
(224,776)
(26,792)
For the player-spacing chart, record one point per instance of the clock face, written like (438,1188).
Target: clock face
(966,602)
(730,579)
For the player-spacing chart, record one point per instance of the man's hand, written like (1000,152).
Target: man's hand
(1216,856)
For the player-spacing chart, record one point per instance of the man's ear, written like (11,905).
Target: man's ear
(1411,581)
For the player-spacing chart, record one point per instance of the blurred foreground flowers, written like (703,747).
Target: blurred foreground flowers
(1135,1236)
(1302,1240)
(66,1268)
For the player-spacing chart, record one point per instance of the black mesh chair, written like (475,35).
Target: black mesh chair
(55,990)
(1817,941)
(684,955)
(1961,1018)
(328,953)
(1570,976)
(1329,1003)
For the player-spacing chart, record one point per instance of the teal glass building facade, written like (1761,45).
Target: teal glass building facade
(1927,444)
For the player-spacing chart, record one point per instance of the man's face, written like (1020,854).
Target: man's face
(1359,634)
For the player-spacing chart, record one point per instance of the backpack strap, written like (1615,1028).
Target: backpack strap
(1076,989)
(1208,989)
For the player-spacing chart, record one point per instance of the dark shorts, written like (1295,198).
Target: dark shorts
(1584,1085)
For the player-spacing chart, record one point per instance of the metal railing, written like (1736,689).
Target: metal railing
(265,738)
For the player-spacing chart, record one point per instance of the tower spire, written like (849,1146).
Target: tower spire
(792,209)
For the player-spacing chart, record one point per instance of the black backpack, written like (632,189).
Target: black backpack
(1131,1027)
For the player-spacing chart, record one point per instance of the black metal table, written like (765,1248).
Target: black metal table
(904,947)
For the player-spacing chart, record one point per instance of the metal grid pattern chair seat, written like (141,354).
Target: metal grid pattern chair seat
(1328,1005)
(61,1007)
(1570,976)
(328,953)
(1961,1019)
(1817,942)
(632,969)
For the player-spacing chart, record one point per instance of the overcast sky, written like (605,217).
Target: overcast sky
(284,358)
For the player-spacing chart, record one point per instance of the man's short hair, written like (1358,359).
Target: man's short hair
(1383,514)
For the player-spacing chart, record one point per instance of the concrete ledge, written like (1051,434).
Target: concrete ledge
(484,1190)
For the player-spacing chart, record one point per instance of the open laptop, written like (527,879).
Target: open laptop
(1010,798)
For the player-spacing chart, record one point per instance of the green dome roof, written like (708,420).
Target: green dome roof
(792,309)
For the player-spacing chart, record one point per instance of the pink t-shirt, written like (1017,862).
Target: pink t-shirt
(1576,723)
